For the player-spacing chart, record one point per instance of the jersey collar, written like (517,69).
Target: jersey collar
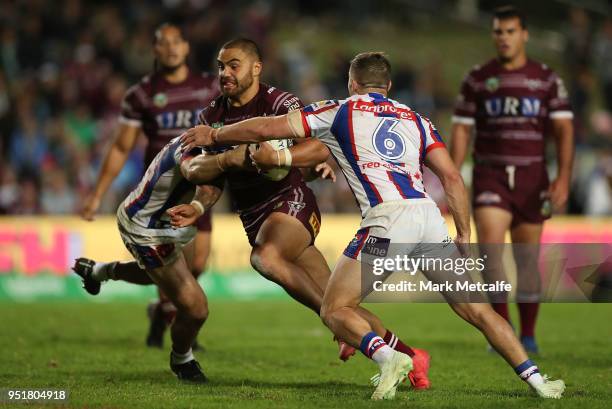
(376,95)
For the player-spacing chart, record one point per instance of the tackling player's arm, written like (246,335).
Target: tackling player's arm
(114,160)
(207,167)
(187,214)
(563,132)
(252,130)
(440,162)
(461,134)
(310,155)
(262,129)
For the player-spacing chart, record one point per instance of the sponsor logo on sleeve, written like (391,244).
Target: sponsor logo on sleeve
(561,90)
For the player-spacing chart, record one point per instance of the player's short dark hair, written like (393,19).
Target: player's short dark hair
(371,69)
(158,30)
(246,45)
(508,12)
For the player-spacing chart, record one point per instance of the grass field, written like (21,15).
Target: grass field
(278,355)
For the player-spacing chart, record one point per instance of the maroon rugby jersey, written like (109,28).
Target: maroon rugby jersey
(511,109)
(164,110)
(249,187)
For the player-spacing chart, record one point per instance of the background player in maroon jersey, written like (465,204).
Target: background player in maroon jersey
(161,105)
(281,219)
(513,102)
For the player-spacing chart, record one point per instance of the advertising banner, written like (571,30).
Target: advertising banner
(36,254)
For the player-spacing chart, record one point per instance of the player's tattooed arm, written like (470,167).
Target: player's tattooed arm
(303,155)
(440,162)
(187,214)
(252,130)
(207,167)
(310,156)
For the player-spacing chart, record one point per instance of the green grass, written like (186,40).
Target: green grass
(278,355)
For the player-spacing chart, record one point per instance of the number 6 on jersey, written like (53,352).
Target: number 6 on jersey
(388,143)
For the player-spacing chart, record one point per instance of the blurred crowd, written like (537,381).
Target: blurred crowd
(65,66)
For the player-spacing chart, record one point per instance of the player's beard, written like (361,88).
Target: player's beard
(240,88)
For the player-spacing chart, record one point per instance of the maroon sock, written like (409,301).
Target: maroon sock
(502,309)
(394,342)
(529,313)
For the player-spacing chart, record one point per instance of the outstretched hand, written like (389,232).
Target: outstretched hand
(324,171)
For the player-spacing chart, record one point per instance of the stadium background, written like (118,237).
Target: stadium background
(64,67)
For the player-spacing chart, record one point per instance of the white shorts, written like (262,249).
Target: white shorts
(415,230)
(404,227)
(150,248)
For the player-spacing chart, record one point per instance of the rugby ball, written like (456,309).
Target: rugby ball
(278,173)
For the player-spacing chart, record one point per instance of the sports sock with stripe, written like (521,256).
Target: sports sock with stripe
(394,342)
(375,348)
(529,372)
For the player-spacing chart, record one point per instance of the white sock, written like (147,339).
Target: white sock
(535,380)
(530,373)
(103,271)
(178,359)
(383,354)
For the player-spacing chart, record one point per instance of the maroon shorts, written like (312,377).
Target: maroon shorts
(296,201)
(522,190)
(204,223)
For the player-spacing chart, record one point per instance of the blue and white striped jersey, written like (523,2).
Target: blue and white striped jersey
(162,187)
(380,145)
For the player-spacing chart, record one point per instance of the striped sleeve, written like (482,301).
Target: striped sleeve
(433,140)
(558,99)
(465,106)
(132,106)
(319,117)
(286,102)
